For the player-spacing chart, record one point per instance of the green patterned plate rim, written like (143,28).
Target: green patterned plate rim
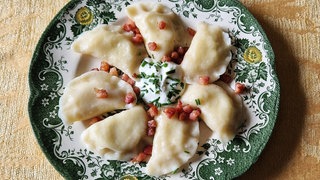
(54,64)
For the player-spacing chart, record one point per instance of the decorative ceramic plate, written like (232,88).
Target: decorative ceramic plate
(54,64)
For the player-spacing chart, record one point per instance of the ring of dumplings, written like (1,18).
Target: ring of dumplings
(122,136)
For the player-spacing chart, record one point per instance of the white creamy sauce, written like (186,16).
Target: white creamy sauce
(160,82)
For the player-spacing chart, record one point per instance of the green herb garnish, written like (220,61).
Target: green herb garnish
(144,63)
(171,71)
(198,102)
(175,171)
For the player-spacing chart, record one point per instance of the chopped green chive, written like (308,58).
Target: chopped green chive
(175,171)
(171,71)
(198,102)
(144,63)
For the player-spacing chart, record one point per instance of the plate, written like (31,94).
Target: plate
(54,64)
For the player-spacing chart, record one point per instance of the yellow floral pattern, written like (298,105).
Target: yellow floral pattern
(84,16)
(128,177)
(252,55)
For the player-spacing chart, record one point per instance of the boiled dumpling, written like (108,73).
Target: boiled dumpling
(220,109)
(175,142)
(119,135)
(209,54)
(147,17)
(111,45)
(79,101)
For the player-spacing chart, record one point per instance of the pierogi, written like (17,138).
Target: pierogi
(79,101)
(209,54)
(221,109)
(175,142)
(147,17)
(117,136)
(112,45)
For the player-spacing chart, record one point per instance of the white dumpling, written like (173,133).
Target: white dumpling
(209,54)
(175,142)
(147,16)
(79,101)
(221,109)
(117,135)
(110,44)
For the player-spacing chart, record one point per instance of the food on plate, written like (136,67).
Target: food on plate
(162,86)
(80,100)
(161,29)
(208,55)
(175,142)
(113,45)
(220,108)
(119,135)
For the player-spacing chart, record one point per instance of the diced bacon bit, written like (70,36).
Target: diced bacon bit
(226,78)
(162,25)
(125,77)
(152,46)
(204,80)
(136,90)
(134,75)
(136,31)
(170,112)
(191,31)
(148,150)
(152,123)
(137,38)
(166,58)
(131,81)
(130,98)
(153,111)
(151,131)
(139,158)
(194,115)
(188,108)
(129,26)
(114,72)
(101,93)
(183,116)
(175,55)
(179,106)
(94,120)
(239,88)
(104,66)
(184,112)
(142,156)
(181,50)
(178,61)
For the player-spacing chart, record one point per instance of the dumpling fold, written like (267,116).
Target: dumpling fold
(117,136)
(221,108)
(80,102)
(175,142)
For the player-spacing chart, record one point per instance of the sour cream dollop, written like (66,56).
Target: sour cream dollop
(160,83)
